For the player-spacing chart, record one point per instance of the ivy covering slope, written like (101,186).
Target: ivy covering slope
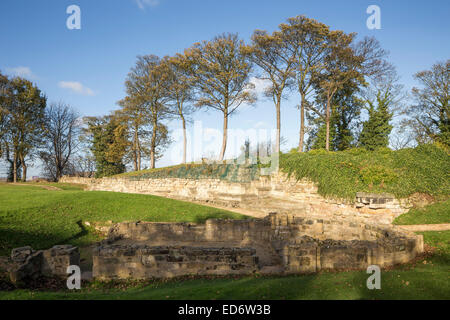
(424,169)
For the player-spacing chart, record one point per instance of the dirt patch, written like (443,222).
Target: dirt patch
(420,200)
(46,187)
(426,227)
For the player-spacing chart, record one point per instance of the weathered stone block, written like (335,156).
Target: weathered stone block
(51,262)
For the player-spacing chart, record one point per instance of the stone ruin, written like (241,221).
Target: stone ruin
(277,244)
(29,264)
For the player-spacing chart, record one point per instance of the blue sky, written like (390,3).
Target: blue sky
(87,68)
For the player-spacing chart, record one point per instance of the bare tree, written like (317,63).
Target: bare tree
(402,138)
(60,139)
(84,165)
(431,112)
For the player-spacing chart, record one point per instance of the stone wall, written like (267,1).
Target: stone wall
(267,194)
(279,243)
(141,261)
(30,264)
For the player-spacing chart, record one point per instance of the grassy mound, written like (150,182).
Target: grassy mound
(425,169)
(435,213)
(31,215)
(231,172)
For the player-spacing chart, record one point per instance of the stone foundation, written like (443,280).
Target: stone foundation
(277,244)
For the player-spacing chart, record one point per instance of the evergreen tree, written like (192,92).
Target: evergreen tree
(376,130)
(317,136)
(382,98)
(109,138)
(345,117)
(345,111)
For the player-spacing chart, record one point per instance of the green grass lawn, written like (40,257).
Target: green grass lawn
(427,278)
(31,215)
(432,214)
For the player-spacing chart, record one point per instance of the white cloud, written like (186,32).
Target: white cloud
(260,84)
(76,87)
(260,124)
(146,3)
(23,72)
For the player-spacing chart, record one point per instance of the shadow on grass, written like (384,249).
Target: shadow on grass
(10,238)
(82,233)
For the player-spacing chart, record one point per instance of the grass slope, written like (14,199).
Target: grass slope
(435,213)
(31,215)
(223,171)
(427,278)
(425,169)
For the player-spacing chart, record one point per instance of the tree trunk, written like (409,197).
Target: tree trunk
(152,159)
(15,168)
(153,147)
(302,124)
(278,138)
(327,120)
(139,155)
(58,172)
(135,151)
(225,134)
(24,172)
(24,169)
(184,139)
(135,164)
